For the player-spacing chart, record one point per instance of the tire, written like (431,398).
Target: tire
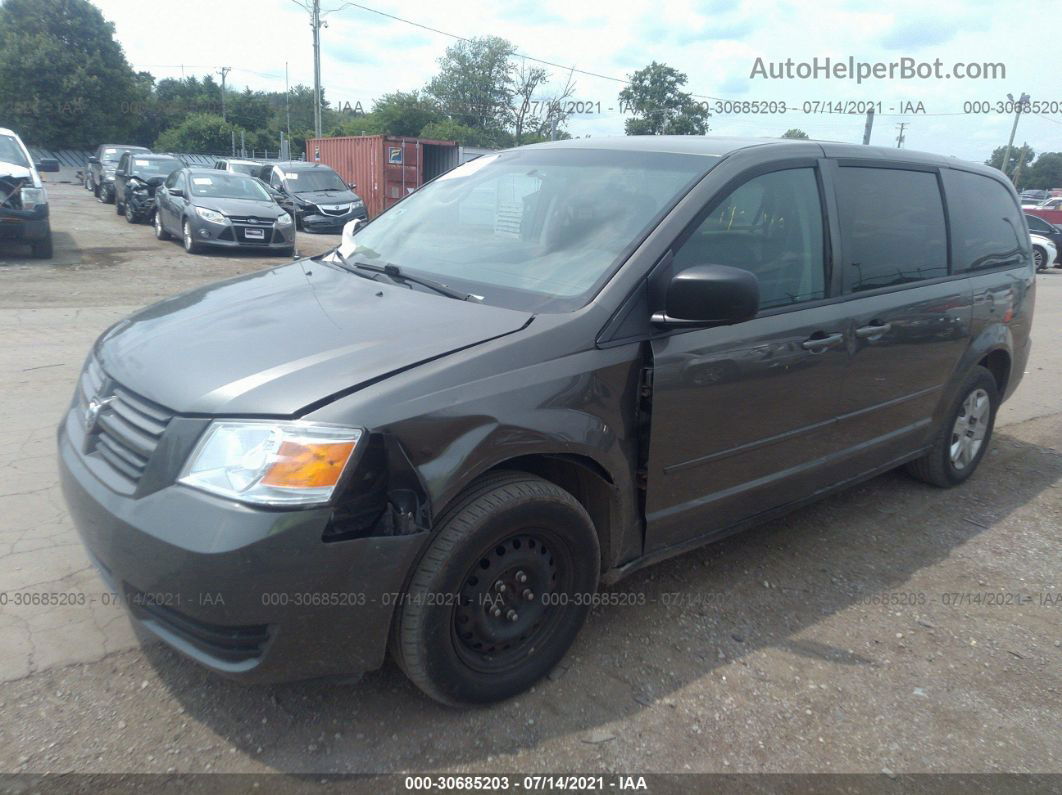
(119,208)
(451,636)
(287,252)
(191,245)
(42,249)
(96,193)
(160,232)
(1040,258)
(130,215)
(939,466)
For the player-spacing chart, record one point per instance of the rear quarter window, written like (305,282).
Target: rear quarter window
(986,222)
(892,227)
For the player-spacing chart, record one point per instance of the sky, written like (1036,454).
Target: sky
(716,43)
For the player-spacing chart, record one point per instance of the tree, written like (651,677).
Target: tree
(659,105)
(450,130)
(1046,172)
(794,132)
(200,133)
(996,160)
(404,113)
(64,80)
(475,84)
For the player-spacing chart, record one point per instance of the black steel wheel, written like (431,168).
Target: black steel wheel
(500,593)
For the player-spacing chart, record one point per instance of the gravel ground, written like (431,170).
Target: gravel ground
(850,636)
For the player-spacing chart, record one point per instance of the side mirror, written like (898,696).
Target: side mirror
(709,295)
(353,186)
(349,230)
(119,172)
(176,192)
(48,164)
(93,160)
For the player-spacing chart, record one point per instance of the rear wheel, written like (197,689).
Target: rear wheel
(500,593)
(1040,258)
(962,440)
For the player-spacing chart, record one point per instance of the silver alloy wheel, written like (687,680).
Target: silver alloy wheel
(968,433)
(159,231)
(1040,258)
(188,243)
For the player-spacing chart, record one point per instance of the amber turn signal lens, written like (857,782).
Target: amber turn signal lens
(314,465)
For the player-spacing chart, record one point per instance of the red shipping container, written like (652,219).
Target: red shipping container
(384,168)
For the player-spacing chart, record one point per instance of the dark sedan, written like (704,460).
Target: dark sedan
(320,200)
(206,207)
(136,180)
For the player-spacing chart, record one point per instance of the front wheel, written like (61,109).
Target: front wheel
(500,593)
(191,245)
(42,249)
(130,214)
(160,230)
(963,439)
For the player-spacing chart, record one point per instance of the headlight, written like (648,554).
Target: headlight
(284,220)
(357,203)
(271,463)
(31,197)
(210,215)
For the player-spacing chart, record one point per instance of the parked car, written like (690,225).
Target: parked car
(443,435)
(204,207)
(1045,252)
(1049,209)
(23,197)
(1038,226)
(251,168)
(102,166)
(136,180)
(1033,196)
(319,199)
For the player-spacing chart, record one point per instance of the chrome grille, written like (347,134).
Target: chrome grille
(121,428)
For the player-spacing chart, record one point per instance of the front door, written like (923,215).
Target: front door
(743,416)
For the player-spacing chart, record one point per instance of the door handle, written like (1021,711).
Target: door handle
(876,330)
(818,344)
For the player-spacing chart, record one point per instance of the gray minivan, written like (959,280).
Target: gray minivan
(542,371)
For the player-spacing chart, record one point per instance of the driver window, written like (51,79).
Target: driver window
(771,225)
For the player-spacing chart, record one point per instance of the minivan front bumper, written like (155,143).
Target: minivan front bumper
(252,594)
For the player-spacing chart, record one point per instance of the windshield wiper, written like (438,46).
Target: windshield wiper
(395,274)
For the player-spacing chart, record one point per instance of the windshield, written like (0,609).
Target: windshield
(311,179)
(155,168)
(11,152)
(532,229)
(227,186)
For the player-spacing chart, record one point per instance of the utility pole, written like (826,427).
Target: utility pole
(287,97)
(1021,162)
(900,138)
(869,127)
(316,25)
(1020,103)
(224,71)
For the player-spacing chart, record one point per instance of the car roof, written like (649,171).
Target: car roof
(712,146)
(5,131)
(155,156)
(131,147)
(298,165)
(239,161)
(206,171)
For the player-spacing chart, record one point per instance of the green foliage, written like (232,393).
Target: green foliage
(475,84)
(64,80)
(451,130)
(795,132)
(199,133)
(996,160)
(405,113)
(659,105)
(1045,173)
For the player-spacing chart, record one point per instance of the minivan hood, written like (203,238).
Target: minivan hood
(275,341)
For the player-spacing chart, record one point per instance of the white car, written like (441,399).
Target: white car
(1054,203)
(23,199)
(1044,251)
